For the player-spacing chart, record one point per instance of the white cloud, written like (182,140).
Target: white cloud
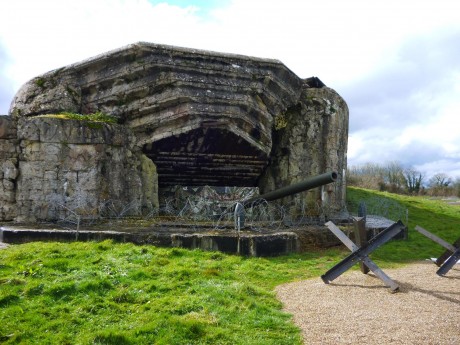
(395,62)
(452,168)
(413,101)
(51,33)
(334,39)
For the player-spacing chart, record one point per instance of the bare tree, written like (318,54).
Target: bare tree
(440,185)
(413,179)
(440,180)
(368,175)
(394,176)
(456,186)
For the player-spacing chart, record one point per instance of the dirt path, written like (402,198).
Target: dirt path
(357,308)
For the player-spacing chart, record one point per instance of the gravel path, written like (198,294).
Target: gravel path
(358,309)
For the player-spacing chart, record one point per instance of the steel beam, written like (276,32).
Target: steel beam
(444,256)
(342,237)
(379,273)
(449,263)
(361,238)
(436,239)
(361,254)
(449,258)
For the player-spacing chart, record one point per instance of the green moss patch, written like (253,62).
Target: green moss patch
(97,117)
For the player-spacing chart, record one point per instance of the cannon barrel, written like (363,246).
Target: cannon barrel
(313,182)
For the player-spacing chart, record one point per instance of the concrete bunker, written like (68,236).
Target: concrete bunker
(184,117)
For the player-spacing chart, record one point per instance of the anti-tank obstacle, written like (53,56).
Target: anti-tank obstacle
(449,258)
(360,254)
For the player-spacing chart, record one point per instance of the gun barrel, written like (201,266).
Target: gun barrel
(313,182)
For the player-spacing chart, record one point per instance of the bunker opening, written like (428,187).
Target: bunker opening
(206,156)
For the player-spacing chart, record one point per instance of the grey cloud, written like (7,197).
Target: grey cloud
(381,151)
(418,153)
(400,93)
(449,167)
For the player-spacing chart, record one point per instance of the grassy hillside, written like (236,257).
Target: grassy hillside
(434,215)
(107,293)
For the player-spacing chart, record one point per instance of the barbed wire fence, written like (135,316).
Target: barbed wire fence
(214,209)
(258,216)
(379,206)
(204,208)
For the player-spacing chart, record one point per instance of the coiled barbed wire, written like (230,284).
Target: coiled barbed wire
(195,213)
(206,208)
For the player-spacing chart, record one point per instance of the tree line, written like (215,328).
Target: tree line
(394,177)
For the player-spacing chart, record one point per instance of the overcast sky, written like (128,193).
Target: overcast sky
(395,62)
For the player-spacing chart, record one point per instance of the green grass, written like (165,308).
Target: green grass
(109,293)
(90,118)
(435,216)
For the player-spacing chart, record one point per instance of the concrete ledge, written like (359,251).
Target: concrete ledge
(247,244)
(16,236)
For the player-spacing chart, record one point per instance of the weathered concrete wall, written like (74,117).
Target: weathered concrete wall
(170,96)
(74,167)
(9,150)
(310,139)
(203,118)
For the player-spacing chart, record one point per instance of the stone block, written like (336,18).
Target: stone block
(7,127)
(32,170)
(81,157)
(32,151)
(28,130)
(8,185)
(8,211)
(8,148)
(89,179)
(9,170)
(7,196)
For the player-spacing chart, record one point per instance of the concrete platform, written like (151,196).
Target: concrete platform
(375,224)
(269,242)
(244,243)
